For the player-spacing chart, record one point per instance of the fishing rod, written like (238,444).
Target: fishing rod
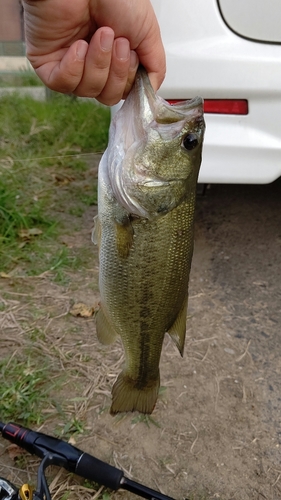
(54,451)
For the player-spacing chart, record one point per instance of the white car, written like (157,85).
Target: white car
(228,52)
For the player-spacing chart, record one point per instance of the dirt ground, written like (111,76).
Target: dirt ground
(218,433)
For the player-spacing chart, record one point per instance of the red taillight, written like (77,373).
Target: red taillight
(226,106)
(221,106)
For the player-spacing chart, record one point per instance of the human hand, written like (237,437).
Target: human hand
(92,48)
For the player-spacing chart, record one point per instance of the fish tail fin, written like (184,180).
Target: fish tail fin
(105,332)
(126,396)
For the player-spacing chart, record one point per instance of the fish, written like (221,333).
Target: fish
(144,230)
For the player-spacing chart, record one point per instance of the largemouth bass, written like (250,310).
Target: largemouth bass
(144,229)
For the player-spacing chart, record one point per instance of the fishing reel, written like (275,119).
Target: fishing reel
(9,491)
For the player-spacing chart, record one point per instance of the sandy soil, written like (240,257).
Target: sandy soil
(218,416)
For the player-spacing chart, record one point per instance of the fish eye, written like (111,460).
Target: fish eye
(190,142)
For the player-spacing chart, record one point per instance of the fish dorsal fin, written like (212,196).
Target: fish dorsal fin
(178,329)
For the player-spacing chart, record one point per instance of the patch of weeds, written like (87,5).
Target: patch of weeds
(77,165)
(162,391)
(61,278)
(145,419)
(51,128)
(94,286)
(77,211)
(21,461)
(65,495)
(104,409)
(74,329)
(162,394)
(62,259)
(24,78)
(49,258)
(86,358)
(73,426)
(36,334)
(24,390)
(21,225)
(28,78)
(200,496)
(89,199)
(89,484)
(105,495)
(40,180)
(16,217)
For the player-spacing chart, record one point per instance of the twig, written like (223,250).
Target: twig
(244,353)
(195,440)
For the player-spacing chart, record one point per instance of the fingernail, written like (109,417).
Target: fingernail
(122,49)
(134,60)
(106,40)
(81,50)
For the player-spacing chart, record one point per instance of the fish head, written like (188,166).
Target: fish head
(154,152)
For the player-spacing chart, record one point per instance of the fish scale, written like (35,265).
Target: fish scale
(144,231)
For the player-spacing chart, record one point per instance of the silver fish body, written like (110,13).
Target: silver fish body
(144,229)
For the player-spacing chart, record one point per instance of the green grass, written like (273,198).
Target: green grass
(24,389)
(46,149)
(24,78)
(17,214)
(146,419)
(59,126)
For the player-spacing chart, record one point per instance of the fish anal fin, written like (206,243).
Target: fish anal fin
(105,332)
(126,396)
(124,237)
(178,329)
(96,233)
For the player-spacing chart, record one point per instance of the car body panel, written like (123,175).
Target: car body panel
(206,58)
(255,19)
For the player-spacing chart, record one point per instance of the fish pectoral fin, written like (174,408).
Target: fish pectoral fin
(178,328)
(96,233)
(126,396)
(124,237)
(105,332)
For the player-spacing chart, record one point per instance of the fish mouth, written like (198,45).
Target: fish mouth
(153,108)
(158,109)
(153,112)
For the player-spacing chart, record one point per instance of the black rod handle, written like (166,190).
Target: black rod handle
(100,472)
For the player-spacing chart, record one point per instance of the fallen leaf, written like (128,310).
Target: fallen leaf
(82,310)
(72,441)
(4,275)
(63,179)
(14,451)
(27,234)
